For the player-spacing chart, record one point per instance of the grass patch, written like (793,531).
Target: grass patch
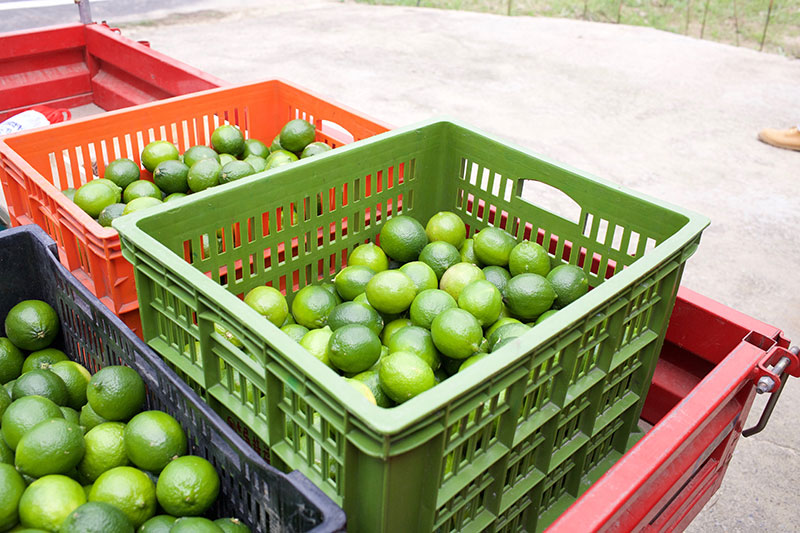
(735,22)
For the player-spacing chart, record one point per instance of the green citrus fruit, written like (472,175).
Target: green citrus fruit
(89,418)
(153,439)
(171,176)
(502,321)
(296,135)
(362,389)
(393,327)
(498,276)
(141,189)
(122,172)
(70,414)
(174,196)
(158,524)
(116,393)
(403,238)
(528,257)
(96,517)
(198,153)
(5,401)
(371,379)
(188,486)
(259,164)
(279,158)
(76,378)
(368,255)
(48,501)
(418,341)
(493,246)
(54,446)
(269,303)
(391,291)
(529,295)
(203,174)
(158,151)
(355,313)
(276,144)
(235,170)
(354,348)
(296,332)
(12,487)
(544,316)
(140,203)
(105,449)
(31,325)
(448,227)
(403,375)
(467,251)
(254,147)
(316,342)
(422,275)
(41,383)
(232,525)
(456,333)
(440,255)
(459,276)
(129,490)
(313,149)
(569,282)
(94,197)
(507,331)
(482,299)
(224,159)
(472,360)
(312,305)
(352,281)
(195,524)
(228,139)
(109,213)
(43,359)
(11,360)
(25,413)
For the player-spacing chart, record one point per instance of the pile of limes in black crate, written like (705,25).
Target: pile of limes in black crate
(78,454)
(230,157)
(425,304)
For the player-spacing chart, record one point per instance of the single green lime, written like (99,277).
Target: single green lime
(528,257)
(32,325)
(105,449)
(296,332)
(43,359)
(507,331)
(354,348)
(403,238)
(254,147)
(259,164)
(228,139)
(96,517)
(129,490)
(158,151)
(116,393)
(393,327)
(235,170)
(25,413)
(296,135)
(391,291)
(48,501)
(482,299)
(187,486)
(352,281)
(171,176)
(312,305)
(122,172)
(94,197)
(153,439)
(12,487)
(459,276)
(368,255)
(198,153)
(204,174)
(76,378)
(498,276)
(502,321)
(314,148)
(422,275)
(141,189)
(456,333)
(529,295)
(371,379)
(440,255)
(89,418)
(448,227)
(11,361)
(493,246)
(158,524)
(569,282)
(316,342)
(41,383)
(54,446)
(403,376)
(418,341)
(269,303)
(355,313)
(109,213)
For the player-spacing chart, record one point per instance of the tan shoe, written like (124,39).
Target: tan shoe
(788,139)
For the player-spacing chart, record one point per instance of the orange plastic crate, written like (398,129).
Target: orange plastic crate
(39,164)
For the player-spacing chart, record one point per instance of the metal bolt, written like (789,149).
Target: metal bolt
(765,384)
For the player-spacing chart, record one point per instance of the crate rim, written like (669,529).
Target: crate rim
(397,419)
(107,232)
(295,478)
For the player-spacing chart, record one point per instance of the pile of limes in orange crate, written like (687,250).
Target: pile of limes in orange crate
(427,303)
(230,157)
(78,454)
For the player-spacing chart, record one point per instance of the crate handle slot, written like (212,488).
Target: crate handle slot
(550,198)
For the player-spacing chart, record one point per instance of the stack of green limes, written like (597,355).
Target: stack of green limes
(447,303)
(78,453)
(230,157)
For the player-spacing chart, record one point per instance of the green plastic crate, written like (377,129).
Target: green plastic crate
(506,445)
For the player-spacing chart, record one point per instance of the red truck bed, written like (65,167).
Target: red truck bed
(701,394)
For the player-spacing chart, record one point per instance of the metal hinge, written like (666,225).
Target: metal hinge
(767,382)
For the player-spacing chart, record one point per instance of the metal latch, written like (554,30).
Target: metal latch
(766,383)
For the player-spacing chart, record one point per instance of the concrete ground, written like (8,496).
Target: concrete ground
(667,115)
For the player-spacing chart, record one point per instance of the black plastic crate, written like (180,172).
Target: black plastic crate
(250,489)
